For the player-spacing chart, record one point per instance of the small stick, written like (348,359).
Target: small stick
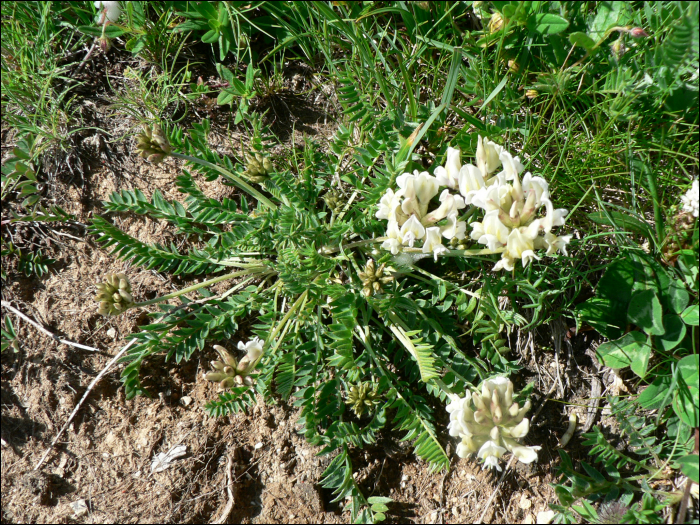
(229,488)
(77,407)
(498,486)
(47,332)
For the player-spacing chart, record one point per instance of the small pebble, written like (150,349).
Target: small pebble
(525,502)
(258,446)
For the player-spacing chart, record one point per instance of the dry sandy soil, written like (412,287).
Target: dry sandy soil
(104,457)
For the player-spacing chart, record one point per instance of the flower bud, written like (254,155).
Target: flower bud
(496,23)
(153,145)
(104,43)
(638,32)
(532,94)
(114,295)
(231,372)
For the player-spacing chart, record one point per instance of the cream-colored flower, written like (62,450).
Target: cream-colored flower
(491,232)
(112,10)
(521,243)
(471,181)
(449,204)
(488,156)
(455,228)
(691,199)
(553,217)
(556,244)
(417,190)
(511,165)
(449,174)
(433,242)
(411,231)
(388,204)
(489,424)
(393,241)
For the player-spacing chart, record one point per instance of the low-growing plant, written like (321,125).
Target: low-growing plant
(344,275)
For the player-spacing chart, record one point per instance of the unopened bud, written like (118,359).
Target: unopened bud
(638,32)
(104,43)
(496,23)
(532,93)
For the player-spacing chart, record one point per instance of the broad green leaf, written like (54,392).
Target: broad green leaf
(690,315)
(582,39)
(656,395)
(622,221)
(689,467)
(21,154)
(549,24)
(210,36)
(645,311)
(688,367)
(673,334)
(608,317)
(631,350)
(686,403)
(618,281)
(677,297)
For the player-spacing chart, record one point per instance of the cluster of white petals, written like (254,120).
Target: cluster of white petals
(112,11)
(691,200)
(511,223)
(411,220)
(511,206)
(490,424)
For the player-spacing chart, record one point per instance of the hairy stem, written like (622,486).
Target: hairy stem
(230,176)
(197,286)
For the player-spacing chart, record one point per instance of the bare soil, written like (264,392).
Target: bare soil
(104,457)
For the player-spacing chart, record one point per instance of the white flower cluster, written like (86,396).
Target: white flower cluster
(490,423)
(112,11)
(691,200)
(510,225)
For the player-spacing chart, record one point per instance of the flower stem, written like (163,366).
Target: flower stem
(301,299)
(230,176)
(197,286)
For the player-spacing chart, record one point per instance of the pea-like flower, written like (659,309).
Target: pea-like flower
(153,145)
(691,200)
(511,220)
(111,10)
(114,295)
(490,424)
(230,372)
(512,223)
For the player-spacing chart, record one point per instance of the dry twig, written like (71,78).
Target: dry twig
(229,488)
(47,332)
(82,400)
(495,491)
